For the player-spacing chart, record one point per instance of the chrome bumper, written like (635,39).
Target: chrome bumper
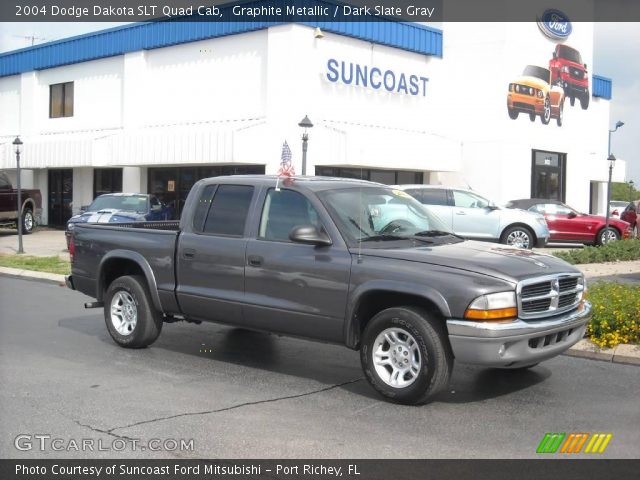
(517,343)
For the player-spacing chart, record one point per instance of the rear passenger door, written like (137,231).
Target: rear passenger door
(437,201)
(211,254)
(291,287)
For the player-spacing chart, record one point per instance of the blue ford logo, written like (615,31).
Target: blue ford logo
(555,24)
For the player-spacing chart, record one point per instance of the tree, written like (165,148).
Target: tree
(620,191)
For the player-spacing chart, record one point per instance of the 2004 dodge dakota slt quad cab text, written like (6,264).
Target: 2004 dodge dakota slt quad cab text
(335,260)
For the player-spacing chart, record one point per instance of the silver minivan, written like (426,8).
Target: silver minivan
(473,216)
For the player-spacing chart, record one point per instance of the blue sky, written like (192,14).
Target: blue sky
(617,50)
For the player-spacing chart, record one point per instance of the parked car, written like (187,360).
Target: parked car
(472,216)
(569,225)
(534,93)
(335,260)
(616,207)
(567,67)
(31,205)
(630,215)
(121,208)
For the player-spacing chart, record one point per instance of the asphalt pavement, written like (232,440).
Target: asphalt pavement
(241,394)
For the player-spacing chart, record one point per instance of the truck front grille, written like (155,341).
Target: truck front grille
(550,295)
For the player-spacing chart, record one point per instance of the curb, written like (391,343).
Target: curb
(33,275)
(627,354)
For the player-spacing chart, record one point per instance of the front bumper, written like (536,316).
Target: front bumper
(518,343)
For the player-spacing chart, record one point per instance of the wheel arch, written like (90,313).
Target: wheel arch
(117,263)
(376,296)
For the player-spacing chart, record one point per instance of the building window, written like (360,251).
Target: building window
(388,177)
(548,172)
(61,100)
(107,180)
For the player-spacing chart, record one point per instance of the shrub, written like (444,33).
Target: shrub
(616,314)
(611,252)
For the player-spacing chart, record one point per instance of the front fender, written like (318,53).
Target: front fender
(352,323)
(141,262)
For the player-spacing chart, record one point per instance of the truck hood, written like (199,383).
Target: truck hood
(499,261)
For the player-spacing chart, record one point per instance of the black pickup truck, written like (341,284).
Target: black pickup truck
(335,260)
(9,211)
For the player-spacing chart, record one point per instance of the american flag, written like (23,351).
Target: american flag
(286,167)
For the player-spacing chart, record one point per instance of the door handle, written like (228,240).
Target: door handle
(255,260)
(188,253)
(461,212)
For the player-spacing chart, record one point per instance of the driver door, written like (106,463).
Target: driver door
(472,217)
(291,287)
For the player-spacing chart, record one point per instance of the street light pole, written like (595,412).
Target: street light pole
(612,161)
(306,124)
(618,125)
(17,142)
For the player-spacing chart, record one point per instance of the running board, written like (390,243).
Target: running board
(94,305)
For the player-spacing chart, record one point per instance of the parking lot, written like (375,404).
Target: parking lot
(241,394)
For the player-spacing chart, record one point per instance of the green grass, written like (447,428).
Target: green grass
(40,264)
(623,250)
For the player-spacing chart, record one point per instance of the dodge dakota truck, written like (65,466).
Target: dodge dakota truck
(335,260)
(9,210)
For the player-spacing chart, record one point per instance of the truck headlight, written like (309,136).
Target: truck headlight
(70,226)
(493,307)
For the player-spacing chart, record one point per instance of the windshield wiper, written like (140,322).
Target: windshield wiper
(436,233)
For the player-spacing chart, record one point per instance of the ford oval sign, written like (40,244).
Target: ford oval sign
(555,24)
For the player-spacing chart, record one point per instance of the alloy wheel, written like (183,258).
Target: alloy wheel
(396,357)
(518,238)
(124,313)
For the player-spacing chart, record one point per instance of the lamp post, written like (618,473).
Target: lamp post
(612,161)
(17,142)
(306,124)
(618,125)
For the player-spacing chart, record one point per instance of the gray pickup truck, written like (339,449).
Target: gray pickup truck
(335,260)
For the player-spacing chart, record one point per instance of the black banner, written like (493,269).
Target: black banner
(316,10)
(575,469)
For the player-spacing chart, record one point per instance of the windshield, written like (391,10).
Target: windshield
(133,203)
(570,54)
(537,72)
(378,213)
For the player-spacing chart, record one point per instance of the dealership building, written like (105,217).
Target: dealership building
(153,107)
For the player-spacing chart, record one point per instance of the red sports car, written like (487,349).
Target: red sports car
(569,225)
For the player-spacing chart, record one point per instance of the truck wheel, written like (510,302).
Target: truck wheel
(129,314)
(572,100)
(27,221)
(560,114)
(406,355)
(584,101)
(520,237)
(607,235)
(532,117)
(513,113)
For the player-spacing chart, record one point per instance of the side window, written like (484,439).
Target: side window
(201,210)
(5,184)
(416,193)
(468,200)
(229,210)
(283,211)
(434,196)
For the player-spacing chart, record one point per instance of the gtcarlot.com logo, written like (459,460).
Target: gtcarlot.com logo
(45,442)
(574,443)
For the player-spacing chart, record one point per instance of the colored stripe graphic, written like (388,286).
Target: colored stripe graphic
(550,442)
(573,442)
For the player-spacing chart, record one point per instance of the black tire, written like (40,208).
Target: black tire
(436,357)
(513,114)
(545,116)
(560,113)
(532,117)
(148,323)
(584,101)
(601,238)
(511,234)
(28,222)
(572,100)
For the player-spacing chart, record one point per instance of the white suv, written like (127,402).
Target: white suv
(473,216)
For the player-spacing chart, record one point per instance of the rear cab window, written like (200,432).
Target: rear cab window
(223,210)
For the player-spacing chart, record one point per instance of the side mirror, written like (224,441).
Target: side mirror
(493,206)
(572,215)
(84,208)
(555,55)
(310,235)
